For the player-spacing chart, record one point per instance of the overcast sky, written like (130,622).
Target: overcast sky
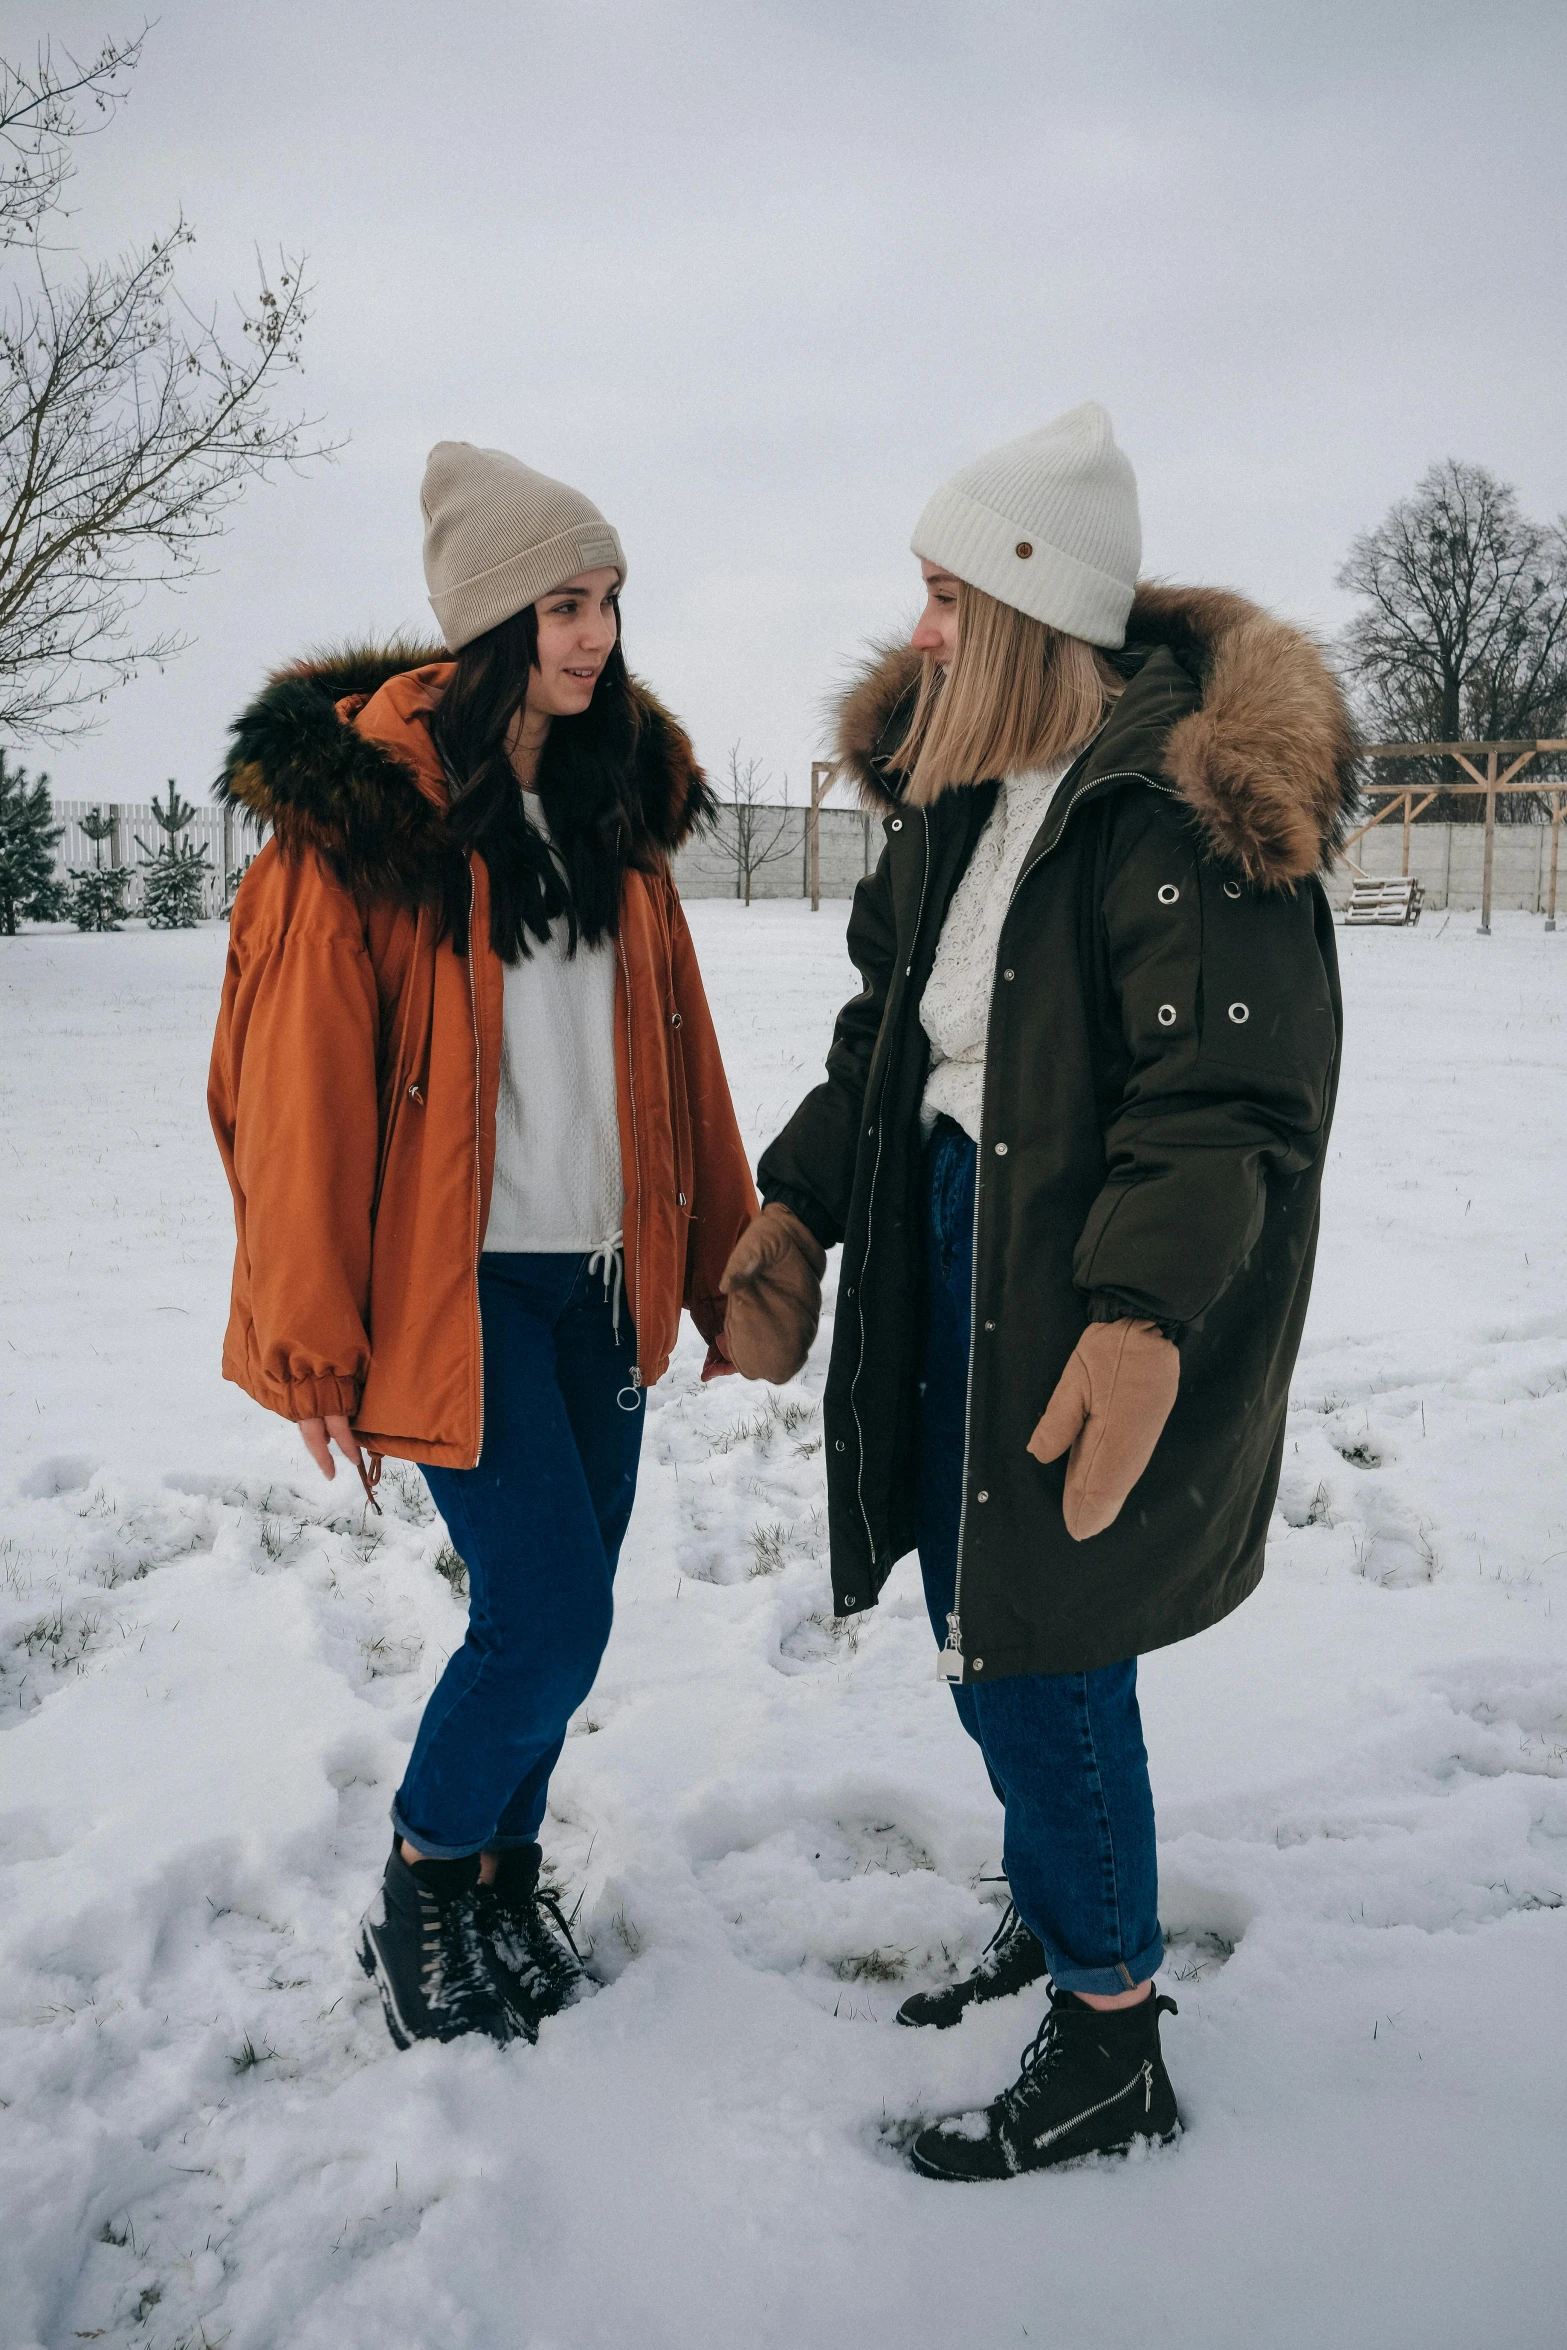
(758,277)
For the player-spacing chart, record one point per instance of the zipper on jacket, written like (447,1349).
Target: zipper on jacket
(949,1665)
(870,1215)
(478,1129)
(635,1381)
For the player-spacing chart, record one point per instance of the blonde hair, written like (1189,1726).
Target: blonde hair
(1018,695)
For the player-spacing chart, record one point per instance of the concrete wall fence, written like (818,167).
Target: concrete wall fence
(1449,859)
(1446,857)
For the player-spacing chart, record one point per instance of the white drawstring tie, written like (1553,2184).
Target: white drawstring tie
(608,1260)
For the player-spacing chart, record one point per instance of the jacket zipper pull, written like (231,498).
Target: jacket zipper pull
(949,1665)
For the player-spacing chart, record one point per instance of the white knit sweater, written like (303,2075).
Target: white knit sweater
(955,1008)
(558,1183)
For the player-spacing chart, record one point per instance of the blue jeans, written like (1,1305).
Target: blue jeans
(1064,1751)
(539,1524)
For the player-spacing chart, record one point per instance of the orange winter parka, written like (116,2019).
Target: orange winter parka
(356,1070)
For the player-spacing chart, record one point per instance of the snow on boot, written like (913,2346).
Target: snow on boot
(530,1939)
(421,1942)
(1013,1958)
(1093,2082)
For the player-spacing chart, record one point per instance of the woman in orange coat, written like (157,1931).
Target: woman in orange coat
(482,1151)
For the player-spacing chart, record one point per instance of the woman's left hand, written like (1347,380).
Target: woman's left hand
(321,1434)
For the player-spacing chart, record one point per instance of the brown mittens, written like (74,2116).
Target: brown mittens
(773,1282)
(1110,1406)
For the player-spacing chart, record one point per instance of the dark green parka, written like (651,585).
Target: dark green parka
(1162,1059)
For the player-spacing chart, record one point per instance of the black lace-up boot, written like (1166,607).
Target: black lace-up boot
(421,1941)
(529,1938)
(1013,1958)
(1093,2081)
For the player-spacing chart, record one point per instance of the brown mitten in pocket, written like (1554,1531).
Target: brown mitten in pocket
(1110,1406)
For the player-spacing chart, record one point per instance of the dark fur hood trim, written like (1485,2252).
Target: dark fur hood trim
(334,764)
(1265,762)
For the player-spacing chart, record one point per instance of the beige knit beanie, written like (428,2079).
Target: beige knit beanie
(497,536)
(1047,524)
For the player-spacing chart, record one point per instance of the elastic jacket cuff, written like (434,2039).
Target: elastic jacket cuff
(321,1399)
(1114,1305)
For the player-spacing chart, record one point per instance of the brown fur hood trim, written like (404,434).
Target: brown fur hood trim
(335,755)
(1265,763)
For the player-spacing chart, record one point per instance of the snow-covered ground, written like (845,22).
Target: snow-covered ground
(211,1668)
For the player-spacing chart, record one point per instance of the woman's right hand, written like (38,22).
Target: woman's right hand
(321,1435)
(773,1284)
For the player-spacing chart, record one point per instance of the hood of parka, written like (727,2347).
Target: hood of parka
(1238,712)
(335,754)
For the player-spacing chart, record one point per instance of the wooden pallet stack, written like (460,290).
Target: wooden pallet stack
(1391,904)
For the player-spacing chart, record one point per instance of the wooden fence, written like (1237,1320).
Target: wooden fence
(220,831)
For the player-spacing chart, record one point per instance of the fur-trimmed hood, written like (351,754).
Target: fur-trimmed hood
(1238,711)
(335,754)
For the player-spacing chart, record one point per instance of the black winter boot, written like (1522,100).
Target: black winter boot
(530,1939)
(422,1943)
(1093,2081)
(1013,1958)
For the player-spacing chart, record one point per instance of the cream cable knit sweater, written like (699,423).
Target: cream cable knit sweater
(955,1008)
(558,1184)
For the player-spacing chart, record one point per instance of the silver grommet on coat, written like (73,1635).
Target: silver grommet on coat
(1240,1014)
(1009,975)
(1169,894)
(1167,1015)
(990,1325)
(979,1664)
(982,1495)
(838,1444)
(1232,889)
(851,1599)
(897,824)
(1001,1150)
(674,1019)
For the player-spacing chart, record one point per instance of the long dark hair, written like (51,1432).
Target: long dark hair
(586,785)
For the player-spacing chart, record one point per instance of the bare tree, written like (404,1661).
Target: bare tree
(1463,633)
(128,424)
(38,121)
(757,826)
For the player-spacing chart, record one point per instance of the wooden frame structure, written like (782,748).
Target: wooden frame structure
(1494,780)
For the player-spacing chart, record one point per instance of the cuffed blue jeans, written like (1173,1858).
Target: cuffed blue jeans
(1064,1751)
(539,1523)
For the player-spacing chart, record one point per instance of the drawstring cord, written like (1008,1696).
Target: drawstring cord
(608,1260)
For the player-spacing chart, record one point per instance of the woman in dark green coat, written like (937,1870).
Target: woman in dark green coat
(1071,1139)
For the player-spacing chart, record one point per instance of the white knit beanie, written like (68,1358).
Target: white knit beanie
(1047,524)
(498,536)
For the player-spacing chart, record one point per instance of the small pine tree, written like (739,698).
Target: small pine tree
(29,891)
(174,881)
(97,892)
(235,878)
